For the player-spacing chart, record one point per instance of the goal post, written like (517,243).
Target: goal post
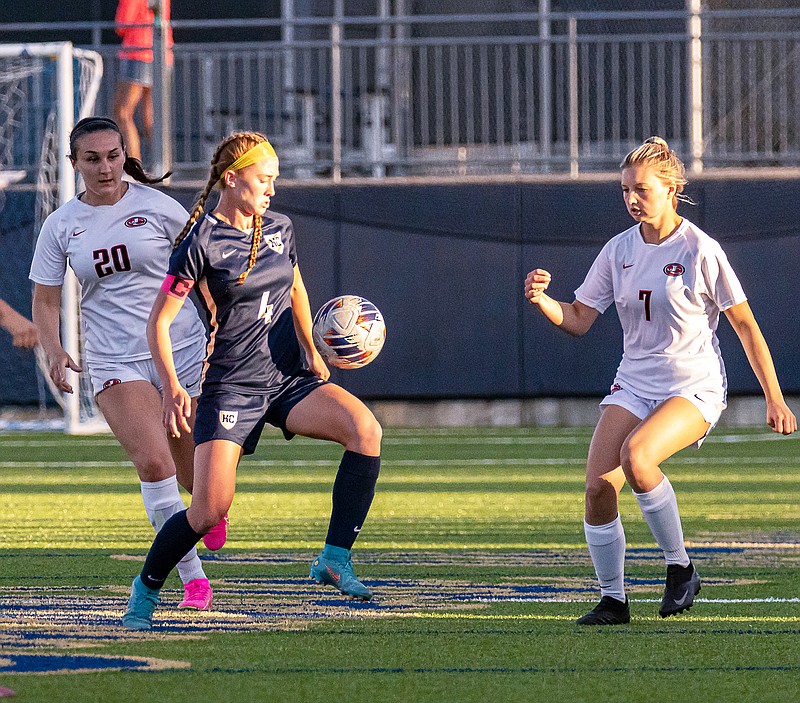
(44,89)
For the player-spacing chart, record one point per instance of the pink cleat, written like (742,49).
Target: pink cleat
(215,538)
(197,595)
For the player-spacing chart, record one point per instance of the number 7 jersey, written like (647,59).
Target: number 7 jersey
(668,297)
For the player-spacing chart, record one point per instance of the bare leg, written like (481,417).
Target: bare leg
(602,526)
(182,450)
(214,483)
(330,412)
(604,477)
(126,99)
(673,425)
(133,412)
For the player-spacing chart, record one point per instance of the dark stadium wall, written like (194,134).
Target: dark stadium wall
(445,264)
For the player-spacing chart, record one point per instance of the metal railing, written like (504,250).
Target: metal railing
(487,94)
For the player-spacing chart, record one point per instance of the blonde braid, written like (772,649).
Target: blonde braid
(199,203)
(197,210)
(253,249)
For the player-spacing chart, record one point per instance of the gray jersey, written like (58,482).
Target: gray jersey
(119,253)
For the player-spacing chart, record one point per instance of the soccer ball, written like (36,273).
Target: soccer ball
(349,332)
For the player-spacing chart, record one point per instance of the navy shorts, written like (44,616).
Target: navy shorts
(240,417)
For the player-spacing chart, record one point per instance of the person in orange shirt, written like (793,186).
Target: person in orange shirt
(135,81)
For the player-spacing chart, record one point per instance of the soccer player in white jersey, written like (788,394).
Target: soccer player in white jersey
(669,281)
(117,237)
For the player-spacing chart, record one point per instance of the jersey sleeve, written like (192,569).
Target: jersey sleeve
(173,218)
(289,241)
(597,289)
(721,283)
(188,261)
(49,263)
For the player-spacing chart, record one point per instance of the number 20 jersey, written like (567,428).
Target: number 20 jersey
(668,297)
(119,254)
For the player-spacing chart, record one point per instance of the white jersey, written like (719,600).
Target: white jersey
(668,298)
(120,254)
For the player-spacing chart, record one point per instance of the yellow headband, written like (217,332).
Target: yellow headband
(262,150)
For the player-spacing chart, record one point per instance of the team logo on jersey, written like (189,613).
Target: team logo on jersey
(135,221)
(674,270)
(616,387)
(111,382)
(275,243)
(228,418)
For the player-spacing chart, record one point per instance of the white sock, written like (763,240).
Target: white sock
(607,549)
(660,510)
(162,500)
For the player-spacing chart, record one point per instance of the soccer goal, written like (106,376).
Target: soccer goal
(44,89)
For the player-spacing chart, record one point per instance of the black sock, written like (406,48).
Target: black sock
(353,491)
(171,544)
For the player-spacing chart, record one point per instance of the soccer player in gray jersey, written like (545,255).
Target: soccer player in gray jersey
(669,282)
(262,368)
(117,237)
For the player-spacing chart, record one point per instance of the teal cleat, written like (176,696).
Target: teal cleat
(335,567)
(141,604)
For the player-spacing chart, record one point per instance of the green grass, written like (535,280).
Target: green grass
(495,513)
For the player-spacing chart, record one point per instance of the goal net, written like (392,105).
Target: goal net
(44,90)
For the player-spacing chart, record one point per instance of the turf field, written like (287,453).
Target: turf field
(474,549)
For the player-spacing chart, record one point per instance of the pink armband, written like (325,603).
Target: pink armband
(176,287)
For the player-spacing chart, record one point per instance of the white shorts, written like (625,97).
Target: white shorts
(188,364)
(709,404)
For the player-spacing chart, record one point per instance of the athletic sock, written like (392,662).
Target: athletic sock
(660,510)
(607,549)
(353,491)
(162,500)
(172,542)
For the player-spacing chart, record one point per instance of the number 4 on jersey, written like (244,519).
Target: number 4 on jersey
(265,309)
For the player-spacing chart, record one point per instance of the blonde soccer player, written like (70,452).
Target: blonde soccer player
(117,237)
(669,282)
(262,368)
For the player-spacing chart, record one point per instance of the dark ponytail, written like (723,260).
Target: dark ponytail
(132,166)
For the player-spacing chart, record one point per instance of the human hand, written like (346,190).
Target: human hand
(177,410)
(536,282)
(23,332)
(780,418)
(58,370)
(318,367)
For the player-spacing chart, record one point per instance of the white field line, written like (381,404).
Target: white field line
(422,463)
(421,439)
(558,599)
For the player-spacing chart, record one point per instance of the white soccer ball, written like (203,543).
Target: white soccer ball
(349,332)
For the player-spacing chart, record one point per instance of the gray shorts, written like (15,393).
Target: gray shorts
(188,364)
(133,71)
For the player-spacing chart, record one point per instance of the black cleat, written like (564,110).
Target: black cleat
(609,611)
(683,584)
